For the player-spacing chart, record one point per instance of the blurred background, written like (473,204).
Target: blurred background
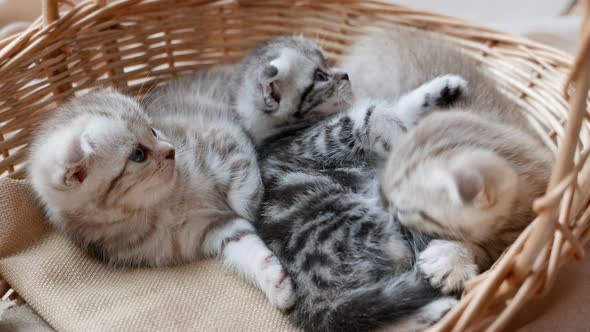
(552,22)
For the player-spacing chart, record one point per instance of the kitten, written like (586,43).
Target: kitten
(351,263)
(404,58)
(461,177)
(468,176)
(139,190)
(286,83)
(283,84)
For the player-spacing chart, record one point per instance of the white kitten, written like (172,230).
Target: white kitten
(135,190)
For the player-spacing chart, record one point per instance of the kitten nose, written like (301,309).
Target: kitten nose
(343,76)
(170,154)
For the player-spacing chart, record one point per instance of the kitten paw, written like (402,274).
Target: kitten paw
(425,317)
(444,90)
(277,285)
(435,310)
(448,265)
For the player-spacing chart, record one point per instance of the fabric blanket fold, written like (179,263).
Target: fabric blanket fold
(74,292)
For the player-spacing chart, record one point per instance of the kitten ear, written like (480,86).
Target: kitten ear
(77,159)
(75,174)
(471,188)
(270,71)
(283,63)
(482,178)
(270,88)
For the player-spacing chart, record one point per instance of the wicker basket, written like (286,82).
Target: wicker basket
(134,43)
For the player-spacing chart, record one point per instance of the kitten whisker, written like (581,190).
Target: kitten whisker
(154,101)
(140,90)
(147,96)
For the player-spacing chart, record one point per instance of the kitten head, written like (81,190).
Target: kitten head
(100,150)
(469,194)
(287,80)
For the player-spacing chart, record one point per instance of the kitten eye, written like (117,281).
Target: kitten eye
(154,132)
(320,76)
(138,155)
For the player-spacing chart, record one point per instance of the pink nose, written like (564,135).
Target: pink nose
(170,154)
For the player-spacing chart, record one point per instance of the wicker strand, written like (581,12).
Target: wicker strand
(50,11)
(565,155)
(527,267)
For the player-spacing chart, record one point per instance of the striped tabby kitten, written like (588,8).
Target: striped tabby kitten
(351,263)
(139,190)
(284,83)
(466,176)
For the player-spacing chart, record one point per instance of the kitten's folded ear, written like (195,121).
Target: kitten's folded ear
(270,78)
(479,178)
(471,187)
(78,155)
(270,72)
(270,88)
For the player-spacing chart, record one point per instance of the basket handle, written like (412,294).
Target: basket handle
(50,10)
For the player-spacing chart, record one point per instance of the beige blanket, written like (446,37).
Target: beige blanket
(74,292)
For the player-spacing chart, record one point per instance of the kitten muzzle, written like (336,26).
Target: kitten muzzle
(170,154)
(342,77)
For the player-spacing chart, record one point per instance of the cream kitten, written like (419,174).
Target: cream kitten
(466,176)
(461,177)
(173,187)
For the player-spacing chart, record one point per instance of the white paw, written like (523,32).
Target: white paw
(448,265)
(276,284)
(442,91)
(424,318)
(435,310)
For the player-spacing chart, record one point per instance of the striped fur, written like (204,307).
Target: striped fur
(288,65)
(351,263)
(286,83)
(467,179)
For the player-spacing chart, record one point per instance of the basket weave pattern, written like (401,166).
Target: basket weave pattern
(132,44)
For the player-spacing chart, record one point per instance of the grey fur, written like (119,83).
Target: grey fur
(350,261)
(246,89)
(285,67)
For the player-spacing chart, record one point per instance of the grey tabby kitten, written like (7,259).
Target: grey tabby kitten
(351,263)
(284,83)
(468,176)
